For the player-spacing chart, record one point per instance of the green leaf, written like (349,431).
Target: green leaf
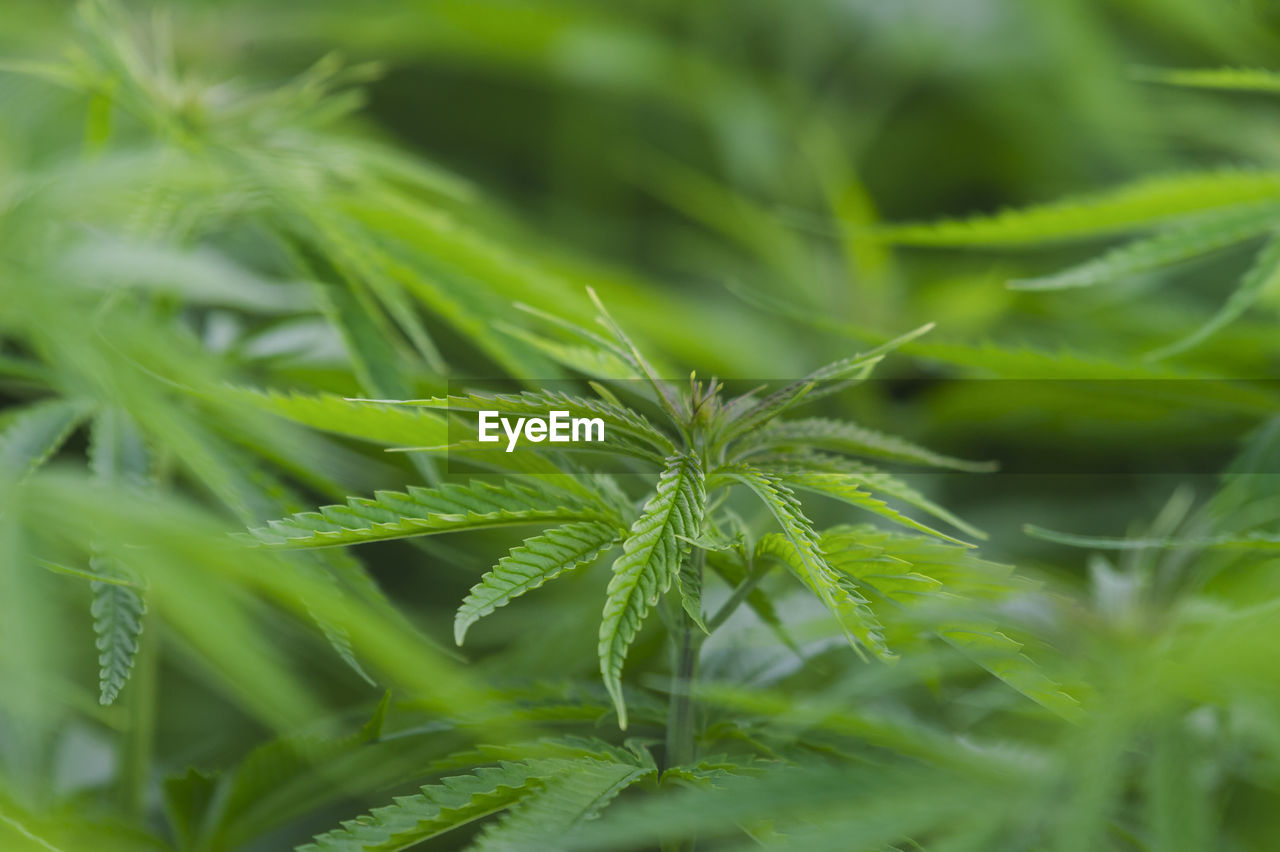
(1133,207)
(35,434)
(428,511)
(117,454)
(689,584)
(871,479)
(846,488)
(651,556)
(117,450)
(538,560)
(117,622)
(957,567)
(289,776)
(559,805)
(1002,656)
(187,800)
(385,424)
(1252,541)
(1205,234)
(378,363)
(854,368)
(844,437)
(438,808)
(799,549)
(1262,276)
(1229,79)
(588,360)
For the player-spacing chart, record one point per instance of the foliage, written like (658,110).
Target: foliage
(245,277)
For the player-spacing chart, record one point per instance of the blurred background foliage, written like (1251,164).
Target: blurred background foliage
(218,219)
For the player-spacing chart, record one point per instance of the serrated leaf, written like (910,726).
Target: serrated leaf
(438,808)
(1201,236)
(886,575)
(117,623)
(117,454)
(651,556)
(187,800)
(35,434)
(847,489)
(877,482)
(558,805)
(588,360)
(429,511)
(799,549)
(1136,206)
(957,567)
(854,368)
(1262,276)
(538,560)
(689,584)
(844,437)
(1001,655)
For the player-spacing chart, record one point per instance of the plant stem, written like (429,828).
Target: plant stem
(140,745)
(735,600)
(681,748)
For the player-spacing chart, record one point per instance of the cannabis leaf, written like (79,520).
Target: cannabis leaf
(650,558)
(1142,205)
(845,437)
(117,621)
(559,792)
(799,549)
(425,511)
(35,433)
(538,560)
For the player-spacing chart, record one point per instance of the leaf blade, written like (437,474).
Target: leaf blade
(650,559)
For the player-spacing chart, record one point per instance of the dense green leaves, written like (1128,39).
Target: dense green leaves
(799,549)
(1170,246)
(1262,279)
(181,225)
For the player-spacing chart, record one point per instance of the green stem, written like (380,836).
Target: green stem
(735,600)
(141,708)
(681,749)
(680,746)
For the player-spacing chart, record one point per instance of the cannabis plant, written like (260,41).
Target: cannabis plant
(238,281)
(672,541)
